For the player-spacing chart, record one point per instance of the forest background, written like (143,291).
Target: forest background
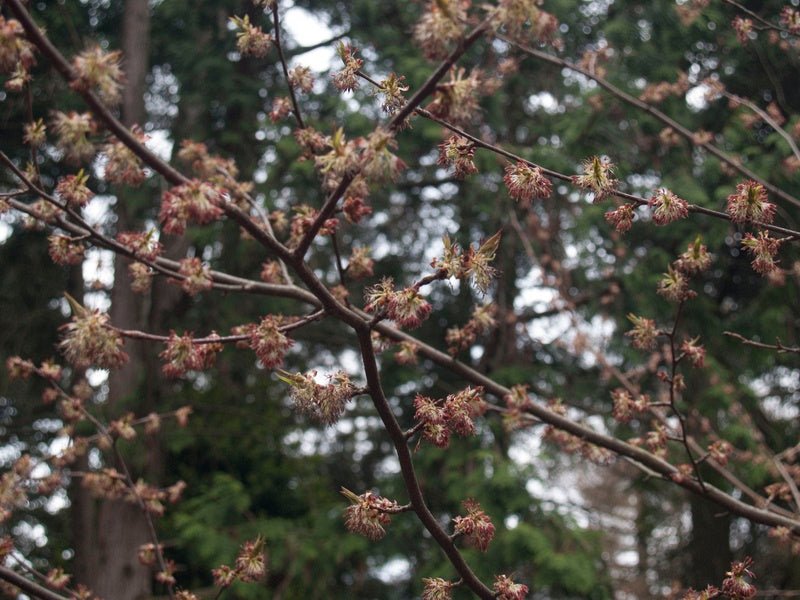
(570,522)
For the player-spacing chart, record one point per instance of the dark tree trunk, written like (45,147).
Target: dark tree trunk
(709,545)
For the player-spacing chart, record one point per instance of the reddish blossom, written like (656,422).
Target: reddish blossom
(196,276)
(644,332)
(143,244)
(324,403)
(458,152)
(251,561)
(360,264)
(72,131)
(72,189)
(476,526)
(695,352)
(393,90)
(667,207)
(408,309)
(368,514)
(271,272)
(301,78)
(122,165)
(250,39)
(99,70)
(268,342)
(193,201)
(597,177)
(346,80)
(439,28)
(437,589)
(674,286)
(506,589)
(764,249)
(525,182)
(749,203)
(735,584)
(64,250)
(281,108)
(456,100)
(621,218)
(89,340)
(695,260)
(182,355)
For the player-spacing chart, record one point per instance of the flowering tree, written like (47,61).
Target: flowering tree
(446,349)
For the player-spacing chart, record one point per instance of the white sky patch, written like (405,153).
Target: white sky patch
(307,29)
(160,143)
(393,571)
(696,98)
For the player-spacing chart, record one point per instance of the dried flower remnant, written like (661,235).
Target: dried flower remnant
(439,27)
(597,177)
(667,207)
(476,526)
(644,332)
(72,131)
(250,39)
(324,403)
(196,276)
(368,514)
(525,182)
(506,589)
(268,342)
(89,340)
(458,152)
(764,249)
(346,80)
(99,70)
(72,189)
(749,203)
(621,218)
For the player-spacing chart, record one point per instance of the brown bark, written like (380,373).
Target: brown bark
(108,533)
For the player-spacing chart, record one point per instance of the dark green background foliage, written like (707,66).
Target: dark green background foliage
(253,466)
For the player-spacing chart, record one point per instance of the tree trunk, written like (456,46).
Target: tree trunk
(109,533)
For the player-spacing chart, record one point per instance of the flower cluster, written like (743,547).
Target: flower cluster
(720,451)
(73,131)
(393,90)
(696,258)
(406,307)
(436,588)
(378,163)
(16,52)
(89,340)
(182,354)
(695,352)
(35,133)
(655,93)
(597,177)
(476,526)
(459,152)
(515,15)
(674,286)
(122,165)
(454,414)
(764,249)
(439,27)
(196,276)
(482,321)
(525,182)
(281,108)
(625,406)
(141,277)
(621,218)
(143,244)
(368,514)
(323,403)
(743,28)
(251,561)
(506,589)
(302,221)
(407,354)
(667,207)
(735,584)
(64,250)
(517,405)
(360,264)
(346,80)
(72,189)
(457,99)
(268,342)
(99,70)
(271,272)
(474,262)
(644,332)
(195,201)
(749,203)
(301,78)
(340,160)
(250,39)
(790,19)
